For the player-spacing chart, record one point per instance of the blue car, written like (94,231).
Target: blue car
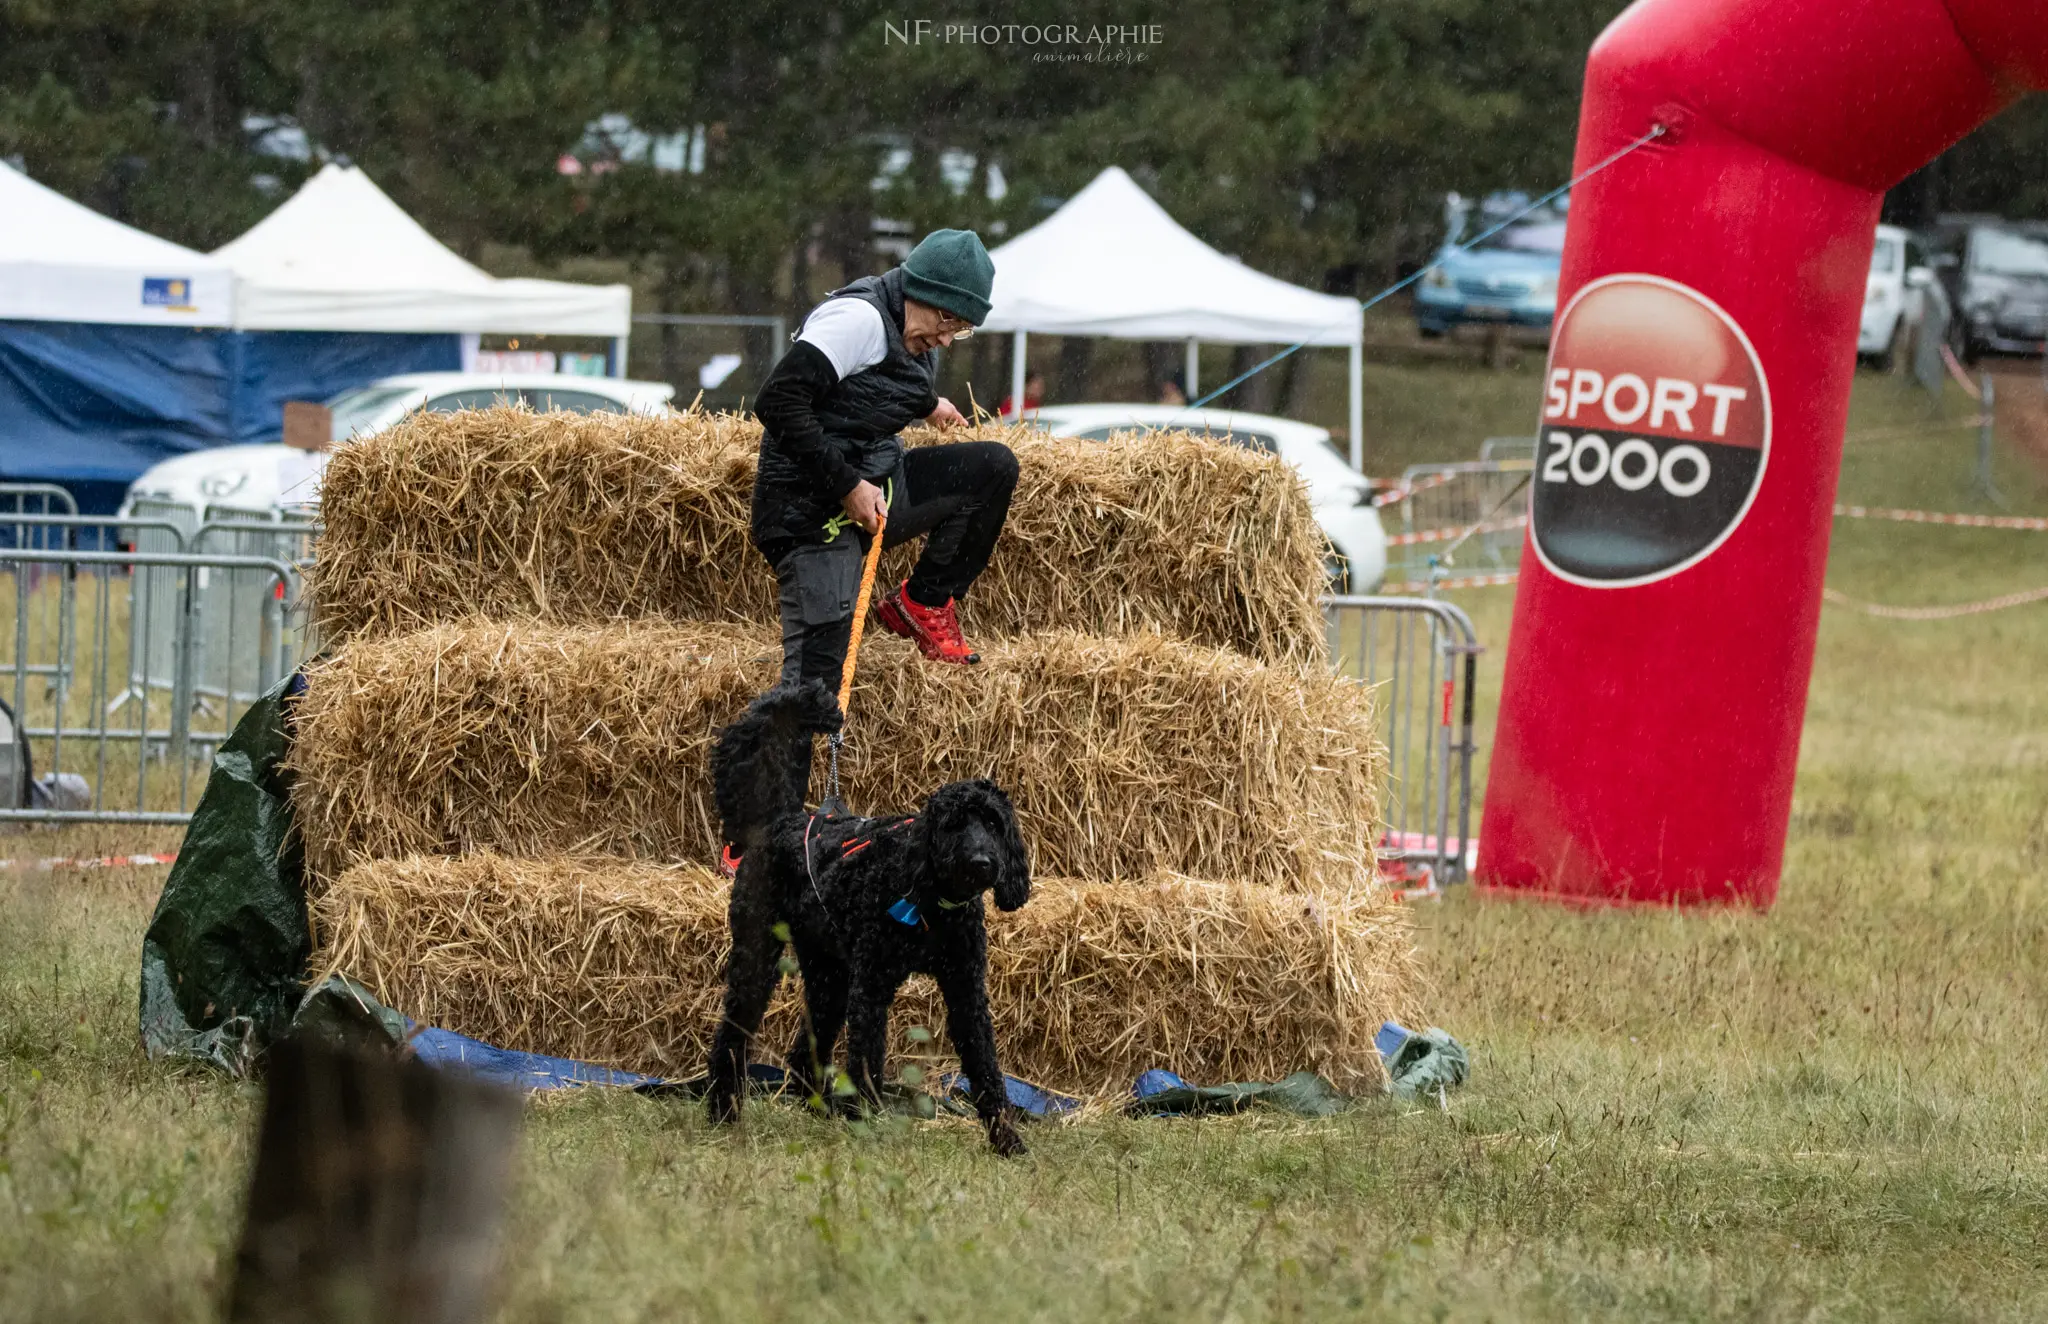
(1509,278)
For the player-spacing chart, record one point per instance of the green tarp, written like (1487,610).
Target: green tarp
(1304,1094)
(224,959)
(1427,1063)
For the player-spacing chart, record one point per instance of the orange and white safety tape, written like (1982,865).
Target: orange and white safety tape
(1404,489)
(1466,581)
(1948,613)
(87,862)
(2030,522)
(1455,532)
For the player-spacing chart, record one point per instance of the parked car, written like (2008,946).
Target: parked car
(1509,278)
(1340,496)
(262,480)
(1996,274)
(1896,297)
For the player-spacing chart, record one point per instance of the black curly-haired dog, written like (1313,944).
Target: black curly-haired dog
(867,901)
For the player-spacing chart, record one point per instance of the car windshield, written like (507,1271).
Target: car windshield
(1884,259)
(354,409)
(2003,253)
(1545,238)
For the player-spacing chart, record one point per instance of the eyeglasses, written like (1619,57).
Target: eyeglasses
(958,328)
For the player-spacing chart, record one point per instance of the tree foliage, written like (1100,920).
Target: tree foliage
(1312,139)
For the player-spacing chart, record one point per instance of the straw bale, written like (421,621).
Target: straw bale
(1123,755)
(584,518)
(622,963)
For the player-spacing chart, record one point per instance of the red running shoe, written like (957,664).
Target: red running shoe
(935,630)
(729,862)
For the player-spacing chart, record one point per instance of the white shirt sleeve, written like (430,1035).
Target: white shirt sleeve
(849,332)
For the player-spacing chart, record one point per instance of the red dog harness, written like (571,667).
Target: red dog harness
(863,836)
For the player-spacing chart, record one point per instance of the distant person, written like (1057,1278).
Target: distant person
(1034,396)
(1170,392)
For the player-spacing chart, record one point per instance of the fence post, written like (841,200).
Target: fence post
(181,664)
(270,647)
(21,580)
(378,1190)
(1988,398)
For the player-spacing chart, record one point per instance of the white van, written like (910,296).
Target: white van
(1894,297)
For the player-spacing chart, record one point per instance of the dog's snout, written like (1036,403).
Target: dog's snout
(982,862)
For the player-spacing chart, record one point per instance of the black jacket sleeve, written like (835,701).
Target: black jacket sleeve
(787,408)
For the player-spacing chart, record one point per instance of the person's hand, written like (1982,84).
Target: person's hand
(864,505)
(945,416)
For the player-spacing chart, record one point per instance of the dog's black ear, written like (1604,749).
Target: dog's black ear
(1013,881)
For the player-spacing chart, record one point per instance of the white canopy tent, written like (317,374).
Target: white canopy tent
(1111,262)
(341,256)
(62,262)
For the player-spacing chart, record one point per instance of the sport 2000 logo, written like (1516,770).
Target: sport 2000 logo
(1656,427)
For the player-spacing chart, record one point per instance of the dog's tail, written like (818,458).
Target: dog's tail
(762,762)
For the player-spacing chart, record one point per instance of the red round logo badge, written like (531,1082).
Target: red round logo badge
(1656,426)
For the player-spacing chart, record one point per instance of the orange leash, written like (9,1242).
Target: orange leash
(860,612)
(860,617)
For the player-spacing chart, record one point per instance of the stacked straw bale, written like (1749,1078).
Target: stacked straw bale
(1124,756)
(543,620)
(1090,983)
(580,519)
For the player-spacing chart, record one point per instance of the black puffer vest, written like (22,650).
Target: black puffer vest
(861,417)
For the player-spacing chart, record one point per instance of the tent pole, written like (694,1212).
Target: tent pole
(1192,370)
(618,356)
(1017,374)
(1355,419)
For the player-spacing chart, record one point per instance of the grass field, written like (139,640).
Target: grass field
(1838,1110)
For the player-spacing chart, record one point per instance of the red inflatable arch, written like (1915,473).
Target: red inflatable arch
(1692,423)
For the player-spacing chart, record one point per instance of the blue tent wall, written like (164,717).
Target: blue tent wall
(268,368)
(91,406)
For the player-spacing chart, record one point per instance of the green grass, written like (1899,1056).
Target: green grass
(1837,1110)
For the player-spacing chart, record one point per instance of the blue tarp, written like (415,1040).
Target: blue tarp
(1155,1093)
(527,1071)
(91,406)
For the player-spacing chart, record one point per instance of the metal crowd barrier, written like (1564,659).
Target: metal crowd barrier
(1508,448)
(36,499)
(1422,656)
(125,670)
(64,533)
(228,603)
(1465,518)
(124,746)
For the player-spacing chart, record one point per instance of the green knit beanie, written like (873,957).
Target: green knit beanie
(951,271)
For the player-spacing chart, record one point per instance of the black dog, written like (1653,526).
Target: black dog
(867,902)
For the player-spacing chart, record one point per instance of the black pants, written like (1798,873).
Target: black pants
(955,497)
